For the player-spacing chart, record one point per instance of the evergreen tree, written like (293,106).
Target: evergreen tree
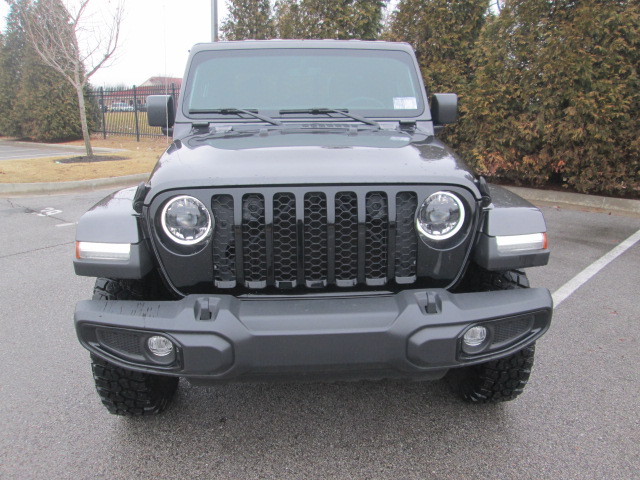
(11,58)
(53,32)
(248,19)
(35,101)
(443,34)
(557,95)
(289,19)
(334,19)
(46,105)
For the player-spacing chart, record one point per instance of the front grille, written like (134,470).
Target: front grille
(314,239)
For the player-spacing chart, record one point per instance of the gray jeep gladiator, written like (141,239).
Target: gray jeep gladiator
(307,223)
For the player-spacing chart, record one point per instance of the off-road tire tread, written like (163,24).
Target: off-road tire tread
(126,392)
(109,289)
(486,281)
(499,380)
(132,394)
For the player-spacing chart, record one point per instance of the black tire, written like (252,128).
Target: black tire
(129,393)
(498,380)
(122,391)
(150,288)
(480,280)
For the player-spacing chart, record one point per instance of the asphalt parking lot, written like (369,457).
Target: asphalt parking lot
(579,417)
(10,150)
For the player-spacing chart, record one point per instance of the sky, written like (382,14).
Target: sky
(156,36)
(155,40)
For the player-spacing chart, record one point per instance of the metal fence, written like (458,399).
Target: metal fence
(123,111)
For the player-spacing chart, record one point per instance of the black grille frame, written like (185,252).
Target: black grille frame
(313,238)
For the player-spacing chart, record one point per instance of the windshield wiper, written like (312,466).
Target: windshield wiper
(238,111)
(326,111)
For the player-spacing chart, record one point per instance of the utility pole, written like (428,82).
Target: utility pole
(214,20)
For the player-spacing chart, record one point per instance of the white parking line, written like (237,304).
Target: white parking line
(585,275)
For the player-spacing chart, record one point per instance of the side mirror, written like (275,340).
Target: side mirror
(444,108)
(160,111)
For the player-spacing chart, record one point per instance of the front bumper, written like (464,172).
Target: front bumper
(414,333)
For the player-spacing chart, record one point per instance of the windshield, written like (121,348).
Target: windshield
(377,83)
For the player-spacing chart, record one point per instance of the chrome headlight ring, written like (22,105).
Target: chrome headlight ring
(440,216)
(186,221)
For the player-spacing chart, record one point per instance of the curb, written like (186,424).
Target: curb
(45,188)
(617,205)
(610,204)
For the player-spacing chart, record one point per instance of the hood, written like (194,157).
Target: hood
(295,156)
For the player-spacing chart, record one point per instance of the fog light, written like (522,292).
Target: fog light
(160,346)
(475,336)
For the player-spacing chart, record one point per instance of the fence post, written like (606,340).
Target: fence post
(102,109)
(173,92)
(135,110)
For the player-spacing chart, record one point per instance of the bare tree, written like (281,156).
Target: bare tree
(71,42)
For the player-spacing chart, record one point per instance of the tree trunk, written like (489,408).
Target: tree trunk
(83,119)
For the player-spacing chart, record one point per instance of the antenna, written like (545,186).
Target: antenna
(166,78)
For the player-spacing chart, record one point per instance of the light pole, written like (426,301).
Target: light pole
(214,20)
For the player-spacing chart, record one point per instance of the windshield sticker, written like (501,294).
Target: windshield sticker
(405,103)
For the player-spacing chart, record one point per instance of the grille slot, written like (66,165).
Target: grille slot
(406,238)
(254,241)
(377,237)
(315,239)
(346,234)
(224,245)
(285,245)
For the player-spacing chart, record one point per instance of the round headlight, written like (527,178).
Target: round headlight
(441,216)
(186,220)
